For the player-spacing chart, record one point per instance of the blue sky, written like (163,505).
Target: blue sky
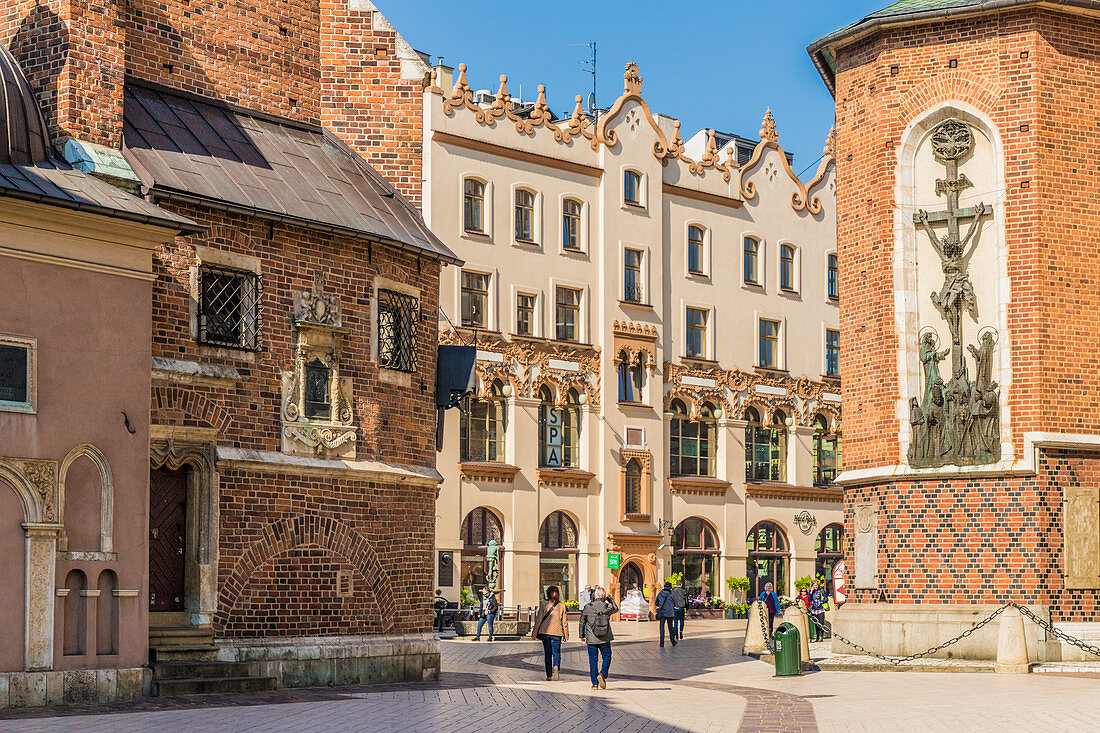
(710,64)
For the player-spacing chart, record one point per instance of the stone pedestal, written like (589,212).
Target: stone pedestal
(755,641)
(1012,644)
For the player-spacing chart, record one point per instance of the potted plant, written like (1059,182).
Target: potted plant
(737,588)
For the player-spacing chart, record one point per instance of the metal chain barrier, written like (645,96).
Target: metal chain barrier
(939,647)
(764,628)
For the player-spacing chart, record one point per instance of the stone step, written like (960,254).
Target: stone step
(183,652)
(212,685)
(191,669)
(184,635)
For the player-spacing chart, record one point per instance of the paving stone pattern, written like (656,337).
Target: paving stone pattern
(703,685)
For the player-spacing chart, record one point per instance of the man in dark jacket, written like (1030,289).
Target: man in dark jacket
(679,601)
(489,608)
(596,632)
(666,613)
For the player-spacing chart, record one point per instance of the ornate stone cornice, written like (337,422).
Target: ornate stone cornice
(565,478)
(489,472)
(634,330)
(698,485)
(634,543)
(825,495)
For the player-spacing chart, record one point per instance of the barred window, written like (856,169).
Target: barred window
(397,317)
(229,308)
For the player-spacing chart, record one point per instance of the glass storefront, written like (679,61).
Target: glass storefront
(558,560)
(768,559)
(695,554)
(830,550)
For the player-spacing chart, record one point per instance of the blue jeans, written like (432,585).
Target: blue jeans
(678,622)
(551,647)
(490,617)
(599,650)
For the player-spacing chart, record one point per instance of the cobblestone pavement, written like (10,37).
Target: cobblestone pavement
(701,685)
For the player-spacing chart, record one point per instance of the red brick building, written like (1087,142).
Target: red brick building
(1021,523)
(292,422)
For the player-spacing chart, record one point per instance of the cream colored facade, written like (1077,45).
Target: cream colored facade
(509,151)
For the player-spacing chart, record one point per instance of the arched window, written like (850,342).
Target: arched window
(830,549)
(525,216)
(694,443)
(479,526)
(633,488)
(833,280)
(826,453)
(571,224)
(559,430)
(786,268)
(765,447)
(751,260)
(632,188)
(558,559)
(695,250)
(631,376)
(482,427)
(695,554)
(769,555)
(473,206)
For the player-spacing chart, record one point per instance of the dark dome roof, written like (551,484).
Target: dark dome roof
(24,139)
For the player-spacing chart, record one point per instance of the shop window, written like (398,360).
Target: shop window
(695,554)
(829,549)
(827,457)
(558,558)
(482,428)
(769,556)
(693,443)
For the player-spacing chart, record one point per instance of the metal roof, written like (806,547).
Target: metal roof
(194,148)
(916,11)
(30,171)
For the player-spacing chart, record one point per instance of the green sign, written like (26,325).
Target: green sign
(613,560)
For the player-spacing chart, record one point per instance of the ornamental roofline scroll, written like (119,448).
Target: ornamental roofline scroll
(580,125)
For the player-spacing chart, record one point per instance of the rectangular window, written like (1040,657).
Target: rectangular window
(632,276)
(834,278)
(398,314)
(832,352)
(17,374)
(695,250)
(473,206)
(525,216)
(695,331)
(229,308)
(751,259)
(632,188)
(567,313)
(571,224)
(769,344)
(525,314)
(474,299)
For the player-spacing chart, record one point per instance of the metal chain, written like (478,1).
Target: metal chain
(764,627)
(1060,634)
(933,650)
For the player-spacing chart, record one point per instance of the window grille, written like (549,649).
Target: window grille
(229,308)
(397,317)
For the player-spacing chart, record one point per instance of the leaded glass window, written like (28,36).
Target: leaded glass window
(318,399)
(398,314)
(229,308)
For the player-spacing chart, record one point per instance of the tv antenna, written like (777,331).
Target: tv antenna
(590,67)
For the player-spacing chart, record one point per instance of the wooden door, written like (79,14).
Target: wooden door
(167,522)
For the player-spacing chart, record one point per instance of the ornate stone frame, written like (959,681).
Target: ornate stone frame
(201,533)
(106,551)
(645,458)
(642,550)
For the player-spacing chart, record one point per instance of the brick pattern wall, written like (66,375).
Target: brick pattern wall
(1003,61)
(366,100)
(977,540)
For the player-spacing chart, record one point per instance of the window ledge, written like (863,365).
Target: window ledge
(774,490)
(636,304)
(636,518)
(633,206)
(475,234)
(526,243)
(635,405)
(490,472)
(755,287)
(832,380)
(574,251)
(564,478)
(700,361)
(771,371)
(696,275)
(698,485)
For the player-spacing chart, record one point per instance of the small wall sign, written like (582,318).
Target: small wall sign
(614,559)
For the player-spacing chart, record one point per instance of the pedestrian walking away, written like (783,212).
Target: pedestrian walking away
(549,627)
(771,602)
(666,613)
(488,611)
(595,629)
(818,599)
(679,602)
(585,597)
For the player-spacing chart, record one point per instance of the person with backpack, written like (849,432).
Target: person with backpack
(666,613)
(596,632)
(550,628)
(488,612)
(771,603)
(679,601)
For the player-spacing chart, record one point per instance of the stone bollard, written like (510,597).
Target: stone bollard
(755,641)
(800,619)
(1012,644)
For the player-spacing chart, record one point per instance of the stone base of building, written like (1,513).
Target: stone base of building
(72,686)
(320,661)
(901,629)
(500,628)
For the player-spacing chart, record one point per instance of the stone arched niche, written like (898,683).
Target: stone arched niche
(87,498)
(920,184)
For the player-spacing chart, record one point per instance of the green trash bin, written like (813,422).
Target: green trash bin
(788,651)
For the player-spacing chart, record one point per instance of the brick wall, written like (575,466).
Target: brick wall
(1027,72)
(367,100)
(976,541)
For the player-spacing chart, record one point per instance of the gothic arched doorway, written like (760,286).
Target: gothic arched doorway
(630,576)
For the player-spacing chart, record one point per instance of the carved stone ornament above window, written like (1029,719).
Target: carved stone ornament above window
(317,407)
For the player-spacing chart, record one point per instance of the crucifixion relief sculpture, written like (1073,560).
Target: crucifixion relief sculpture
(957,422)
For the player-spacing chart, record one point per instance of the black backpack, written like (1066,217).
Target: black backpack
(601,625)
